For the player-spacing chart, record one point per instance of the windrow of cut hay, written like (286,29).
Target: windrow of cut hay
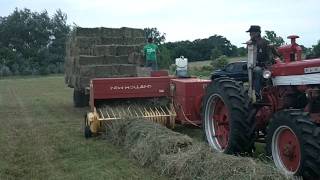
(180,157)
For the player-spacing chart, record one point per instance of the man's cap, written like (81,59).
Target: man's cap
(254,28)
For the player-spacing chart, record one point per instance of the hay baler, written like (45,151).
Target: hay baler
(159,98)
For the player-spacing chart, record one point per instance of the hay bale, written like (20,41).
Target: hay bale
(100,60)
(179,157)
(115,50)
(110,32)
(122,40)
(132,32)
(136,58)
(107,70)
(127,69)
(86,42)
(88,32)
(144,71)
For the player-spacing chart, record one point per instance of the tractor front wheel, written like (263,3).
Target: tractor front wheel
(225,116)
(292,141)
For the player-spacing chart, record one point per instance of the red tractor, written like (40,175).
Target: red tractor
(287,116)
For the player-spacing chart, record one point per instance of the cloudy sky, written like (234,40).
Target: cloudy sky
(189,20)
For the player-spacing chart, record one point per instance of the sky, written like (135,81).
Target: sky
(189,19)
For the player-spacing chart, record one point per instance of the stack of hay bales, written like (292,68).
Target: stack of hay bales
(101,53)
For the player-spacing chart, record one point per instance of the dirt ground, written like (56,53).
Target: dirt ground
(41,137)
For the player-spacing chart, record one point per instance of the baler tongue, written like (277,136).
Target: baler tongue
(164,115)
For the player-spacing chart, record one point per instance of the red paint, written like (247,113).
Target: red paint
(276,98)
(289,149)
(293,68)
(220,119)
(129,87)
(187,96)
(159,73)
(291,52)
(292,63)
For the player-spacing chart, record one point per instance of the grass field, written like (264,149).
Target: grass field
(41,137)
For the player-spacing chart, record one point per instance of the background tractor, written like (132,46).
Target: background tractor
(286,116)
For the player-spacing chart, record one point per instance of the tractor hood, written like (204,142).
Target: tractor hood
(303,72)
(309,66)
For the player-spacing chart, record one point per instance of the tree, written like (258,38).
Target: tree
(155,34)
(32,41)
(215,53)
(272,37)
(242,51)
(202,49)
(316,50)
(220,62)
(165,57)
(313,52)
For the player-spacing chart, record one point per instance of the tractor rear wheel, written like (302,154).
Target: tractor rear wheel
(80,99)
(225,116)
(293,143)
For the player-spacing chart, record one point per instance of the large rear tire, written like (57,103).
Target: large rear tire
(293,143)
(80,99)
(225,116)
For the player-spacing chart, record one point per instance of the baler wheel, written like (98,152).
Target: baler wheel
(225,115)
(87,131)
(293,143)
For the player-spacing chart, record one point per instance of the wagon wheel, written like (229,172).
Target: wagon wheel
(292,141)
(87,131)
(80,99)
(225,115)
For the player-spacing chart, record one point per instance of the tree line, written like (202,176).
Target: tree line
(33,43)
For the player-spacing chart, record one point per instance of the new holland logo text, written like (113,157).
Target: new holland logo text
(130,87)
(311,70)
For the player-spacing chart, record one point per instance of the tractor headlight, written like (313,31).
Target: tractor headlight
(266,74)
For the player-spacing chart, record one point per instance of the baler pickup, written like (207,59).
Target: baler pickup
(132,97)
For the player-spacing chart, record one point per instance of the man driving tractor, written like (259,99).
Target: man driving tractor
(264,58)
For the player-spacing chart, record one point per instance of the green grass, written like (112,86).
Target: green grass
(41,136)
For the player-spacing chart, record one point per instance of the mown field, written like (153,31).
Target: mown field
(41,137)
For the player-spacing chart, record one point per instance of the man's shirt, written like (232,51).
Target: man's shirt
(150,50)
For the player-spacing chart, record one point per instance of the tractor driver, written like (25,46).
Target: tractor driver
(264,57)
(150,51)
